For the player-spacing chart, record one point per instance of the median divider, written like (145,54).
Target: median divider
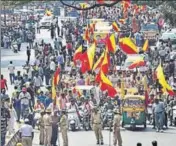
(14,140)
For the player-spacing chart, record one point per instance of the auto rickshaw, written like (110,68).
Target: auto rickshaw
(133,111)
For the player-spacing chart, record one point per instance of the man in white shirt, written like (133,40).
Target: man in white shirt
(11,69)
(25,98)
(52,66)
(37,82)
(26,133)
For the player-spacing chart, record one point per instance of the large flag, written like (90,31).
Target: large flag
(127,45)
(87,59)
(162,80)
(115,27)
(106,85)
(56,76)
(77,54)
(99,62)
(137,63)
(111,43)
(145,46)
(106,63)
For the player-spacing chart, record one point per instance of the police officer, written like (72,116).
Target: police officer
(97,125)
(64,128)
(26,133)
(48,127)
(42,128)
(116,128)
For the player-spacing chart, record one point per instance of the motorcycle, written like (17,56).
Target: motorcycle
(86,120)
(108,119)
(73,120)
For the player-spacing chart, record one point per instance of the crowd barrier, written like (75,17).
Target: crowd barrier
(14,140)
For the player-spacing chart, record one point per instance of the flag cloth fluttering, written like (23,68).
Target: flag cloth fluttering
(106,63)
(137,63)
(55,82)
(106,85)
(99,62)
(111,43)
(162,80)
(77,54)
(127,45)
(115,27)
(145,46)
(87,59)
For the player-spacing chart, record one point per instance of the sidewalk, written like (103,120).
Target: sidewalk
(18,59)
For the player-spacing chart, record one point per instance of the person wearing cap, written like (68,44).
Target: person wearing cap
(96,123)
(116,128)
(64,127)
(25,97)
(55,123)
(26,133)
(5,116)
(48,127)
(42,128)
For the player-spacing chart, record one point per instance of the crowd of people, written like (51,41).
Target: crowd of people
(32,92)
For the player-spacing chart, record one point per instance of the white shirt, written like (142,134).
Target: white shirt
(11,68)
(25,98)
(38,81)
(52,66)
(26,130)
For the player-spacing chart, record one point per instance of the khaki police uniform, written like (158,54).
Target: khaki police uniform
(26,133)
(116,129)
(48,128)
(64,128)
(97,126)
(42,130)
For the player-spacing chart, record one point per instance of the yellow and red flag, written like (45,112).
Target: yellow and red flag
(106,85)
(127,45)
(99,62)
(137,63)
(111,43)
(53,89)
(145,46)
(87,59)
(162,80)
(56,76)
(115,27)
(106,63)
(77,54)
